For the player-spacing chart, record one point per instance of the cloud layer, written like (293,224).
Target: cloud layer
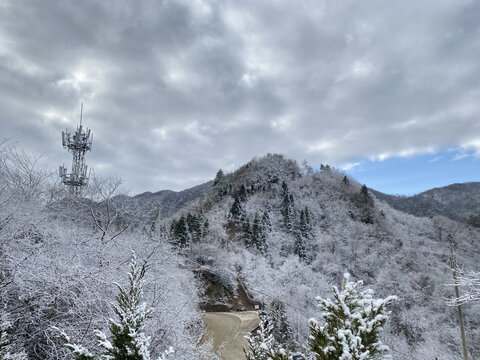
(174,90)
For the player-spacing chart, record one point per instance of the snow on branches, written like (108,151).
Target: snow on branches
(263,345)
(470,282)
(6,351)
(128,339)
(351,324)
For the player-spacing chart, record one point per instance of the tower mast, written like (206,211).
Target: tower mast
(78,144)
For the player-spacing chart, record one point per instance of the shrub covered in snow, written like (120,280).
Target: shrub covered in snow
(262,344)
(352,322)
(128,340)
(6,348)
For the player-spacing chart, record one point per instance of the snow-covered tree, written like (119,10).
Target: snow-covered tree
(288,208)
(299,247)
(221,186)
(351,325)
(282,330)
(470,283)
(258,238)
(179,232)
(237,211)
(262,344)
(365,205)
(128,340)
(99,201)
(6,351)
(218,177)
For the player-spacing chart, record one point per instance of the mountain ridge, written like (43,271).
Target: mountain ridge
(290,233)
(458,201)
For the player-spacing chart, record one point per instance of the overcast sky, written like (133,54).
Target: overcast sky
(175,90)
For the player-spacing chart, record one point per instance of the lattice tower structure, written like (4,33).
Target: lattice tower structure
(78,144)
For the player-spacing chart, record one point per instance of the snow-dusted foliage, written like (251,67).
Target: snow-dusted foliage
(72,290)
(128,339)
(346,230)
(262,344)
(351,324)
(7,351)
(282,244)
(56,270)
(470,284)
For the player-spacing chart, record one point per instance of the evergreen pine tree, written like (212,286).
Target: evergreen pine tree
(281,329)
(256,231)
(221,185)
(364,191)
(366,204)
(181,232)
(127,340)
(173,225)
(194,227)
(266,222)
(288,211)
(262,344)
(205,228)
(236,210)
(258,237)
(247,233)
(242,193)
(303,224)
(351,327)
(299,247)
(308,220)
(218,177)
(325,168)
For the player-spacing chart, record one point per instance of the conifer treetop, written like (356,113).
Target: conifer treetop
(128,340)
(351,325)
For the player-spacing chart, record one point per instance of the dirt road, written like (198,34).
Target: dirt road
(228,330)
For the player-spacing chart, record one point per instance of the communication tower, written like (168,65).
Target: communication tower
(78,144)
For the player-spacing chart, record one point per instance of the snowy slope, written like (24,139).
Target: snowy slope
(281,259)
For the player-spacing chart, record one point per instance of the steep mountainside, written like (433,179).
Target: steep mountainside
(287,235)
(459,202)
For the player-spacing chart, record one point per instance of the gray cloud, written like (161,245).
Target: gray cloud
(174,90)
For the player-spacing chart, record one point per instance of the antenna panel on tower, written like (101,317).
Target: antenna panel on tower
(78,145)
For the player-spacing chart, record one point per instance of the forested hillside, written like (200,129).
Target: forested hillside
(460,202)
(271,233)
(288,234)
(61,257)
(166,201)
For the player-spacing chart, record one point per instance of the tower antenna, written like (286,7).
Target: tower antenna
(81,113)
(78,144)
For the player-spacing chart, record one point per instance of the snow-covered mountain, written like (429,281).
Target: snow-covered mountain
(287,234)
(459,202)
(271,234)
(168,201)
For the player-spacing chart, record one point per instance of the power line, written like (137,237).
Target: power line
(469,250)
